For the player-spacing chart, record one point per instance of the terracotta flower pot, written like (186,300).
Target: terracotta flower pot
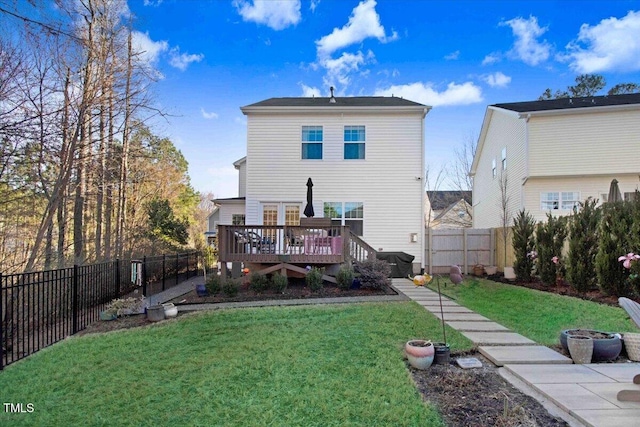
(580,348)
(419,353)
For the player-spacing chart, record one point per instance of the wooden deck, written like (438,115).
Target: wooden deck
(288,247)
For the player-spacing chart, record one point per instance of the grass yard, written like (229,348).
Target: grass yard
(335,365)
(537,315)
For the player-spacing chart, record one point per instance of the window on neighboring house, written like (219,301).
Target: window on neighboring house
(631,196)
(346,213)
(494,172)
(354,142)
(504,159)
(564,200)
(237,219)
(312,142)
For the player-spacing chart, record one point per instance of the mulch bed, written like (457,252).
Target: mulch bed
(296,289)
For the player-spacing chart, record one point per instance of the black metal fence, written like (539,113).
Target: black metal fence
(41,308)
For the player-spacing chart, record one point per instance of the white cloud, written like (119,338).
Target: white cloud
(339,70)
(452,56)
(492,58)
(149,50)
(425,93)
(154,3)
(526,47)
(612,45)
(208,115)
(313,5)
(497,79)
(276,14)
(309,92)
(364,22)
(182,60)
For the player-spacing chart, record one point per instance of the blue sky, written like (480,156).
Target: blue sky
(457,56)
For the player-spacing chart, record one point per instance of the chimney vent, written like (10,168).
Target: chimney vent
(332,100)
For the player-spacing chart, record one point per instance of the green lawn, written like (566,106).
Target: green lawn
(336,365)
(537,315)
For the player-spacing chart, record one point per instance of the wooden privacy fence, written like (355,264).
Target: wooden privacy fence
(465,247)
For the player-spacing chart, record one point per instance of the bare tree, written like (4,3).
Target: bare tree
(505,211)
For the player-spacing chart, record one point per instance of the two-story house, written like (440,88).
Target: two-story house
(365,157)
(549,155)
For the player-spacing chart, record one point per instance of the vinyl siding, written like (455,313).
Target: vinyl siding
(228,210)
(242,180)
(594,186)
(585,144)
(385,181)
(504,130)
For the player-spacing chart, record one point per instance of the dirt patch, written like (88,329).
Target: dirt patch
(296,289)
(479,397)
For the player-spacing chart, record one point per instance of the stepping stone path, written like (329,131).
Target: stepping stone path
(585,394)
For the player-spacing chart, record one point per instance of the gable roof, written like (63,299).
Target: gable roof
(571,103)
(443,199)
(349,101)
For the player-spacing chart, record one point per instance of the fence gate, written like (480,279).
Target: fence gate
(465,247)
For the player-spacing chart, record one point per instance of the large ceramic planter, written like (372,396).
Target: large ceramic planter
(606,346)
(580,348)
(419,353)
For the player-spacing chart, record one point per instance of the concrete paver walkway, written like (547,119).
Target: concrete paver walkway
(584,394)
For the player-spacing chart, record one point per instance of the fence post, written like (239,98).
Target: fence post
(117,278)
(177,267)
(1,325)
(164,272)
(144,276)
(75,299)
(465,255)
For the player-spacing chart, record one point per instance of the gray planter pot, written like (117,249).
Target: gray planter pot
(580,348)
(155,313)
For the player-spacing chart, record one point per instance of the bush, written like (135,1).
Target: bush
(258,282)
(615,240)
(550,238)
(214,284)
(279,282)
(345,276)
(374,273)
(314,279)
(523,244)
(583,246)
(230,288)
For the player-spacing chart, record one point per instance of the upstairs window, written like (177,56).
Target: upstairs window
(494,172)
(354,142)
(504,159)
(312,142)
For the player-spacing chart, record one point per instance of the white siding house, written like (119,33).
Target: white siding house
(365,156)
(554,154)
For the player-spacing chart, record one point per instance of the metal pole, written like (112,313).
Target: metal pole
(444,334)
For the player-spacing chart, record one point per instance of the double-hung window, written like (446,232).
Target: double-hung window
(559,200)
(346,213)
(312,142)
(354,142)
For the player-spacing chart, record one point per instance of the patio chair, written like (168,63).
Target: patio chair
(633,309)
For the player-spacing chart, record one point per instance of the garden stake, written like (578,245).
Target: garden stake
(444,334)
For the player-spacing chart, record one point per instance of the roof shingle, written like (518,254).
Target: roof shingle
(569,103)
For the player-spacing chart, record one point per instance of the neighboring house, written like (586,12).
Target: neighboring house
(553,154)
(212,226)
(448,209)
(365,156)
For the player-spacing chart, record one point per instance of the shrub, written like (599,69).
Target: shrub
(615,240)
(258,282)
(523,244)
(374,273)
(279,282)
(345,276)
(230,288)
(550,238)
(214,284)
(314,279)
(583,246)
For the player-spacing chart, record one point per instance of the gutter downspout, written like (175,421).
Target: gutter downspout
(423,194)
